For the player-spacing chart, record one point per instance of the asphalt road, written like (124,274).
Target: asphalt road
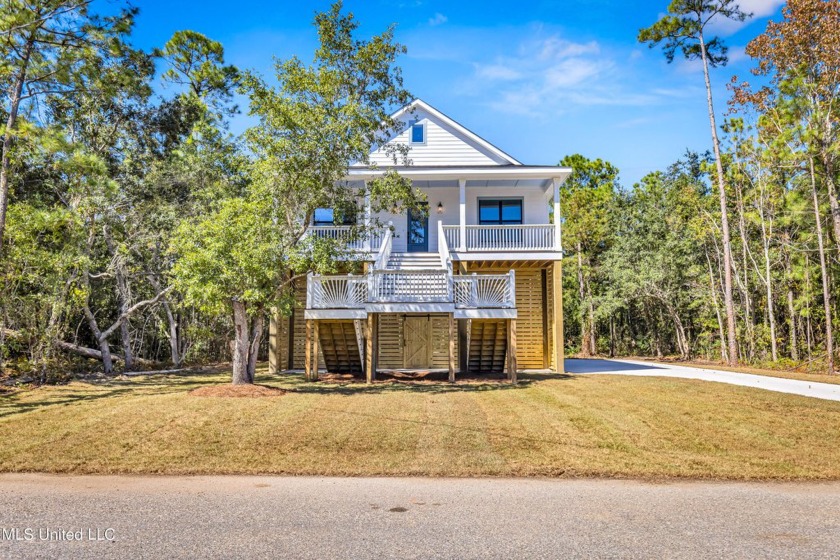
(278,517)
(814,389)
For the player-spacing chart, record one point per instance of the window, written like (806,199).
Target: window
(504,211)
(332,216)
(418,133)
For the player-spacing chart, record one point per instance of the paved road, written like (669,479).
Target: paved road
(277,517)
(630,367)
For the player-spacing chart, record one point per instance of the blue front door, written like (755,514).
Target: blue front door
(418,231)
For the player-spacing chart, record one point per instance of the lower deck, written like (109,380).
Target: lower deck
(532,339)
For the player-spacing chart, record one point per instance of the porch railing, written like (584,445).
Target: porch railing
(336,292)
(477,291)
(355,241)
(519,237)
(473,291)
(410,286)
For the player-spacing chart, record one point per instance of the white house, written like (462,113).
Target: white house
(475,285)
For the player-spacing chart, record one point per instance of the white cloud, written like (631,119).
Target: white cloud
(497,72)
(758,8)
(438,19)
(552,74)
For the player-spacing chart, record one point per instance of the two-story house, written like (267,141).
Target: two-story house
(474,285)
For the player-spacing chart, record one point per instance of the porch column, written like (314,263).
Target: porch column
(371,347)
(462,204)
(307,363)
(315,349)
(452,348)
(368,219)
(558,239)
(557,323)
(511,350)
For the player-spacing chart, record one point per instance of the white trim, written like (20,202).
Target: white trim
(410,307)
(419,103)
(334,314)
(485,313)
(466,173)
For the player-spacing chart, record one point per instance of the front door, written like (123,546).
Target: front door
(418,342)
(418,231)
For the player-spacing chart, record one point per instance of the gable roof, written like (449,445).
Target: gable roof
(456,127)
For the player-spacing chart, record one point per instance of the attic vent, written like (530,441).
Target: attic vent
(418,133)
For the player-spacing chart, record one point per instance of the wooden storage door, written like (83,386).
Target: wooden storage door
(417,345)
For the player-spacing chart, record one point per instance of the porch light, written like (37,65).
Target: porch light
(440,208)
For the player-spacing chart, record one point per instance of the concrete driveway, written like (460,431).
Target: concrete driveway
(630,367)
(277,517)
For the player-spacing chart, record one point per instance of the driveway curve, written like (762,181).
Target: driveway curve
(813,389)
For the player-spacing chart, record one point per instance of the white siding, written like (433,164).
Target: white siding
(444,146)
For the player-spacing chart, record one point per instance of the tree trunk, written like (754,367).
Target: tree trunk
(832,189)
(793,324)
(241,345)
(744,283)
(8,133)
(724,218)
(829,335)
(175,353)
(713,290)
(771,313)
(256,337)
(794,344)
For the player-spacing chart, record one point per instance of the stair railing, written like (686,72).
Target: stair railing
(385,247)
(445,259)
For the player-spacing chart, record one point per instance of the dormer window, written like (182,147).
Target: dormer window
(418,133)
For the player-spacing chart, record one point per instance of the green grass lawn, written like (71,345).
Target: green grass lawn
(546,425)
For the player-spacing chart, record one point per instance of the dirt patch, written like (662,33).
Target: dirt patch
(228,390)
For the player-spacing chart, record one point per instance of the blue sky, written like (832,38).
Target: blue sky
(539,79)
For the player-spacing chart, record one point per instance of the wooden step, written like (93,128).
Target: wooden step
(488,346)
(339,346)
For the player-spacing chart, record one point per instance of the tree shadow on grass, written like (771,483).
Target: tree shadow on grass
(98,388)
(387,382)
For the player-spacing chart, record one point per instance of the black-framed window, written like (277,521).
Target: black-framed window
(333,217)
(500,211)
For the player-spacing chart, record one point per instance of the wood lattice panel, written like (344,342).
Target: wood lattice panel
(532,307)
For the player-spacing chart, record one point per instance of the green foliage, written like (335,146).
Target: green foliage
(230,254)
(683,27)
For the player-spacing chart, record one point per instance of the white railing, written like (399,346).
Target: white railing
(519,237)
(336,292)
(354,239)
(384,249)
(474,291)
(443,250)
(485,291)
(401,286)
(453,236)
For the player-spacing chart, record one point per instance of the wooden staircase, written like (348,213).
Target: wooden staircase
(339,346)
(488,346)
